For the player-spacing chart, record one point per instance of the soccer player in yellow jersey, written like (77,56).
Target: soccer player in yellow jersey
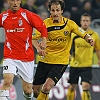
(56,57)
(81,61)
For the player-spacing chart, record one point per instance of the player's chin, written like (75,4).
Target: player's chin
(15,8)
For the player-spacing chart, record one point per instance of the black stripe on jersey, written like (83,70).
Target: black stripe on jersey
(72,51)
(53,28)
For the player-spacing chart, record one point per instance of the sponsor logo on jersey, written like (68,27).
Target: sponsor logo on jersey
(66,33)
(15,30)
(57,39)
(20,22)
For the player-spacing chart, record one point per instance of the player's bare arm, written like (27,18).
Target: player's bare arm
(42,44)
(40,51)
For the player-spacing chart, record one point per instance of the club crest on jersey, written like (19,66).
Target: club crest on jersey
(20,22)
(66,33)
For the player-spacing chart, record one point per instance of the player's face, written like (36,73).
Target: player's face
(14,4)
(85,22)
(56,12)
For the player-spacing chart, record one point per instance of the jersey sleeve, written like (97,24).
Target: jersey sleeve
(38,23)
(97,42)
(77,30)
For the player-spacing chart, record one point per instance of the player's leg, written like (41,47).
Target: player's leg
(73,80)
(8,74)
(27,90)
(55,72)
(71,92)
(86,93)
(37,90)
(39,79)
(86,82)
(25,71)
(44,93)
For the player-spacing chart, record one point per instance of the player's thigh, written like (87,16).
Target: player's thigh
(55,73)
(73,75)
(9,70)
(86,75)
(42,71)
(8,78)
(9,66)
(25,70)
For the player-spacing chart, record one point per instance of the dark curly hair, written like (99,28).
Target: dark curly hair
(57,2)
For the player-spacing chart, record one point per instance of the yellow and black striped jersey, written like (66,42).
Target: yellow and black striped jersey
(82,51)
(59,40)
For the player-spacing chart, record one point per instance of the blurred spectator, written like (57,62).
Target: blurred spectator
(73,8)
(39,2)
(95,5)
(30,5)
(5,6)
(43,7)
(71,5)
(87,8)
(67,14)
(43,14)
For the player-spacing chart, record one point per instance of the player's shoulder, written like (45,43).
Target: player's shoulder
(29,13)
(5,12)
(47,20)
(71,21)
(92,32)
(26,11)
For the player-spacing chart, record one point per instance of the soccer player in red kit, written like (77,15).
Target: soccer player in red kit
(18,24)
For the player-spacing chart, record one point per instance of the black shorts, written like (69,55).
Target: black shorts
(84,73)
(44,71)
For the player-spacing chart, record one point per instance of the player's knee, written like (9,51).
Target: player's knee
(86,86)
(72,87)
(8,80)
(7,83)
(27,90)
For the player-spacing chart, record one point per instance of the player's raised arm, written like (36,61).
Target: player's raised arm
(80,32)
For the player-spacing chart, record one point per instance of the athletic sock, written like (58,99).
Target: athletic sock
(4,94)
(70,95)
(86,95)
(43,96)
(28,96)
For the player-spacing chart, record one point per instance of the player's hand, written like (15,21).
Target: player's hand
(41,52)
(89,39)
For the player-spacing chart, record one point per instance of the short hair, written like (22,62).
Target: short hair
(57,2)
(87,15)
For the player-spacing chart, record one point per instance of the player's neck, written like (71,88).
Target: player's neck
(58,21)
(14,11)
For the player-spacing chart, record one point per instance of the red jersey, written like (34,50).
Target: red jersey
(18,28)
